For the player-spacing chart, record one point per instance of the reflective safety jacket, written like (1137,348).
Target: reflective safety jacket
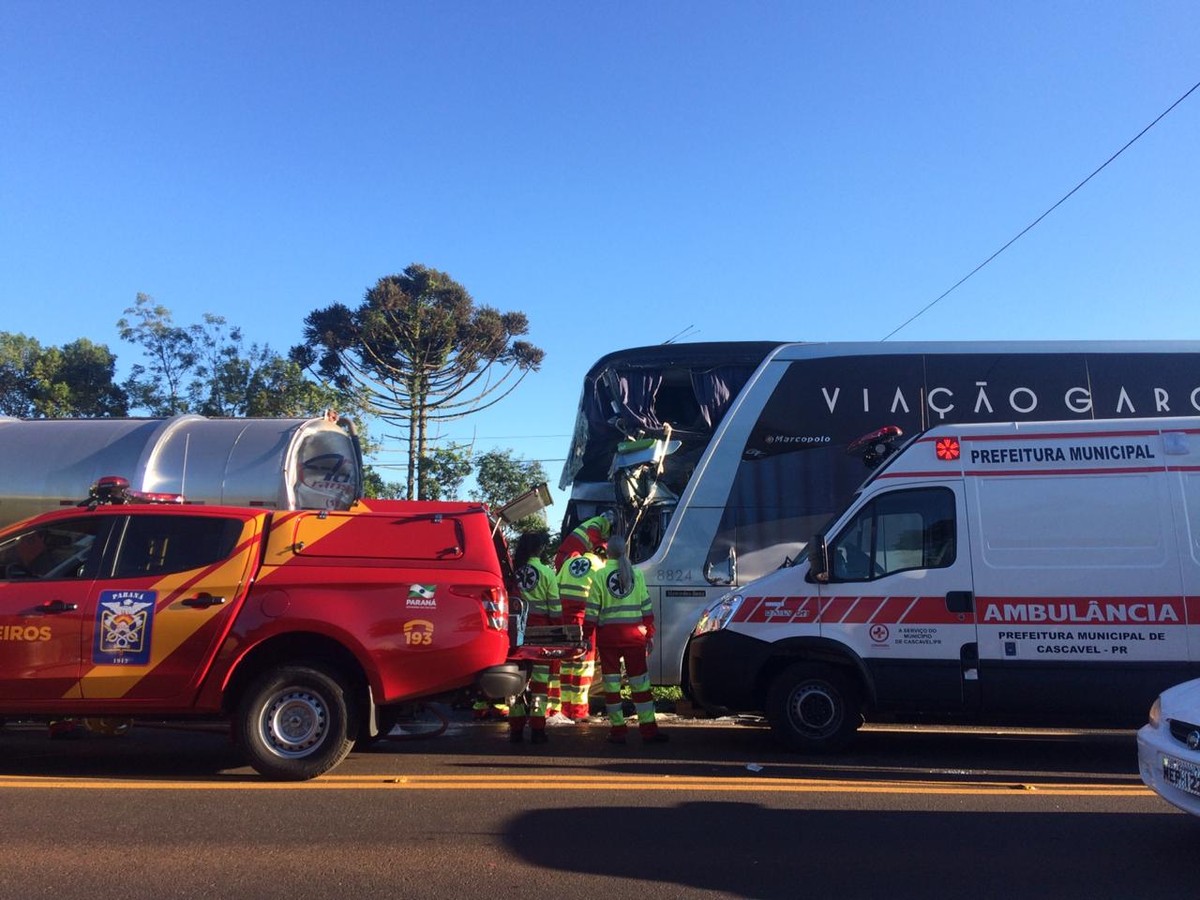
(539,590)
(608,605)
(575,584)
(586,537)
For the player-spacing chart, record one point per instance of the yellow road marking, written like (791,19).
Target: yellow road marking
(590,783)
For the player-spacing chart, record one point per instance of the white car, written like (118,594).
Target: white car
(1169,747)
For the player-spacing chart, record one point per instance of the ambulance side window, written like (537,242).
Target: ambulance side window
(895,532)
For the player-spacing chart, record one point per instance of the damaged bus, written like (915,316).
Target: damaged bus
(723,458)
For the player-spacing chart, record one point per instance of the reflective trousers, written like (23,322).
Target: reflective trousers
(633,655)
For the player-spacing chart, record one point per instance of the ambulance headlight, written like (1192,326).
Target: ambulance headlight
(1156,712)
(717,614)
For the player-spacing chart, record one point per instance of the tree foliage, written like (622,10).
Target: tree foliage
(445,469)
(423,352)
(501,478)
(208,369)
(160,386)
(374,487)
(75,379)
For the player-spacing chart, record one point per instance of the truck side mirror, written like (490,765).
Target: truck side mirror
(818,558)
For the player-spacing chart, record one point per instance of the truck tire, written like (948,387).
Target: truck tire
(295,723)
(814,708)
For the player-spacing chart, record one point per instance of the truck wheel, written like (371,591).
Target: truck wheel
(294,723)
(814,709)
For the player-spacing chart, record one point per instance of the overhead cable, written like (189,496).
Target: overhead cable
(1028,227)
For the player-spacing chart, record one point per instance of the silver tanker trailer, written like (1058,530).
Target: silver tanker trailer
(277,463)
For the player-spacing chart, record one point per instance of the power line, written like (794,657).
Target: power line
(515,437)
(490,437)
(377,465)
(1028,227)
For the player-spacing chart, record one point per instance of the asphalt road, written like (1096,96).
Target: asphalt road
(717,812)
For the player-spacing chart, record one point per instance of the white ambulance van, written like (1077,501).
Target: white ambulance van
(1032,573)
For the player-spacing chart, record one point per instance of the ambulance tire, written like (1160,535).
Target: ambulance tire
(295,723)
(814,708)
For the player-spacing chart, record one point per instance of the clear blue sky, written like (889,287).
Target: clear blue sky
(621,172)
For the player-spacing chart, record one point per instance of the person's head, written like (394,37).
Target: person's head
(530,545)
(608,519)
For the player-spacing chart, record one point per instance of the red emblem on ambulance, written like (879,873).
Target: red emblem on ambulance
(946,449)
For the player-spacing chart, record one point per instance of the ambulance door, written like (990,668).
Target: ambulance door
(899,595)
(45,576)
(167,595)
(1081,602)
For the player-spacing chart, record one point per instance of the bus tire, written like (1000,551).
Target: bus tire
(295,723)
(814,708)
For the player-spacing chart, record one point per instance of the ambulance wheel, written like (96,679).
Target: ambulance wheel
(814,708)
(295,723)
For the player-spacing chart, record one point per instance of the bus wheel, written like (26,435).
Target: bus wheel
(814,708)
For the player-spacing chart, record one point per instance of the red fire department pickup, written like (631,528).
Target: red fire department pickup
(306,629)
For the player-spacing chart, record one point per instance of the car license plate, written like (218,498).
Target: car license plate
(1182,775)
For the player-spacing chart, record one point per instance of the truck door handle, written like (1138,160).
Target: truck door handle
(54,607)
(203,601)
(960,601)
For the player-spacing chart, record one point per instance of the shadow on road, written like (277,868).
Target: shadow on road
(746,850)
(147,751)
(695,750)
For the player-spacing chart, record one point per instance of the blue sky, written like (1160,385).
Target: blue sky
(620,172)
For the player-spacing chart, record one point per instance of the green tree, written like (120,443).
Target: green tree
(79,379)
(208,369)
(73,380)
(501,478)
(160,386)
(278,387)
(232,379)
(445,469)
(19,357)
(422,352)
(222,368)
(374,487)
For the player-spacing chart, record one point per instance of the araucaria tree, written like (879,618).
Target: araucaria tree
(424,353)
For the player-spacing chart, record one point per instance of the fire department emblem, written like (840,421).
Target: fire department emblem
(124,620)
(579,566)
(527,578)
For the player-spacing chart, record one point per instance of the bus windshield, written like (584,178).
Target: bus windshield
(646,416)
